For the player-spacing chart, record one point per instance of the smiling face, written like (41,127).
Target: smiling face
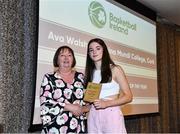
(65,59)
(95,51)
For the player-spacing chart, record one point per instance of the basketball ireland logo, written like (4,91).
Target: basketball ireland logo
(97,14)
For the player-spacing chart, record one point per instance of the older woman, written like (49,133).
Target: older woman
(62,106)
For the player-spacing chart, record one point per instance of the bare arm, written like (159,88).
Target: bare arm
(126,95)
(75,109)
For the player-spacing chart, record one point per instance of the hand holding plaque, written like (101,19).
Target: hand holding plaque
(92,92)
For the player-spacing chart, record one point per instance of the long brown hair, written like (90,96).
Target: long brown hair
(106,73)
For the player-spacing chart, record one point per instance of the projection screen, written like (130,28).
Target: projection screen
(130,37)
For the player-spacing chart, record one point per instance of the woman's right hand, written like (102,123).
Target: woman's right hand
(75,109)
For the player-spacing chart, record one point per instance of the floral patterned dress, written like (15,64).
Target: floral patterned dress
(54,93)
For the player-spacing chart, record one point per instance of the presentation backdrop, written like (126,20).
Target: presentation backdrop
(130,37)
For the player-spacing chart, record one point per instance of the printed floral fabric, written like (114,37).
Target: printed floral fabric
(54,93)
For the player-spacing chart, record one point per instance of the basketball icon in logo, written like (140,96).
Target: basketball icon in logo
(97,14)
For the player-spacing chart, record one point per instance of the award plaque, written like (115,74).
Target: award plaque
(92,92)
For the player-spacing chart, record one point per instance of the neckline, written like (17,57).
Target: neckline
(58,76)
(65,73)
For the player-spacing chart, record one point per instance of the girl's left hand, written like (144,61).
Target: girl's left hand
(99,104)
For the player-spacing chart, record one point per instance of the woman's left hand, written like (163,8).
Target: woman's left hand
(99,104)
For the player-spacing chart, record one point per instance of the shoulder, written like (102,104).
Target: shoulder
(116,70)
(49,74)
(79,75)
(78,72)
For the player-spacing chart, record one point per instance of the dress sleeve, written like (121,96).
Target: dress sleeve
(82,77)
(49,107)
